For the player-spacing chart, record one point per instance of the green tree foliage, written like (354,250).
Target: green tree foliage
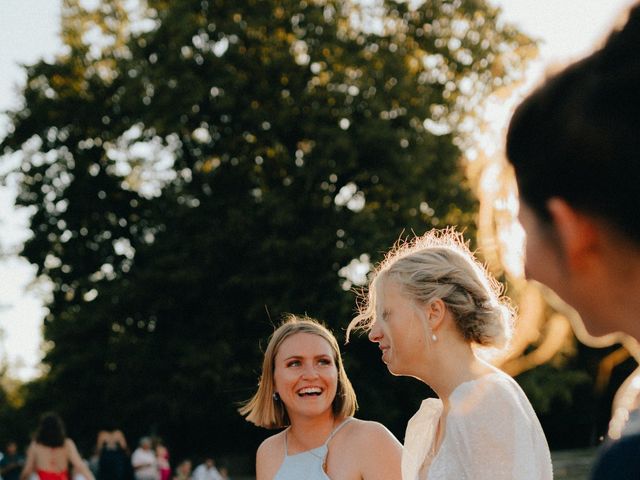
(198,168)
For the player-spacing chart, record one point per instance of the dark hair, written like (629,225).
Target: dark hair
(577,136)
(50,431)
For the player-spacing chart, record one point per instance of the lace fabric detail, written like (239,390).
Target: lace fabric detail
(491,432)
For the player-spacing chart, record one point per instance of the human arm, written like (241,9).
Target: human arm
(30,463)
(217,475)
(76,460)
(197,473)
(261,460)
(120,439)
(100,440)
(269,457)
(143,459)
(380,453)
(9,466)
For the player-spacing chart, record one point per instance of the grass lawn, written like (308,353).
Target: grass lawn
(572,464)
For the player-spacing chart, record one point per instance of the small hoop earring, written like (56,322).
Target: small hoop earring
(276,397)
(433,337)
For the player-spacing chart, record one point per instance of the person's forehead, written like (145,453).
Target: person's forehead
(303,343)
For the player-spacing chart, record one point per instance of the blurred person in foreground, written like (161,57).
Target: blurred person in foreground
(51,452)
(431,307)
(574,144)
(304,390)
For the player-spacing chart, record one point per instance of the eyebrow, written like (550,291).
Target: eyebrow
(297,357)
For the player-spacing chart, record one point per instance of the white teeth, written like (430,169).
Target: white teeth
(309,390)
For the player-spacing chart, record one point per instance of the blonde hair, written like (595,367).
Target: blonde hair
(262,409)
(439,265)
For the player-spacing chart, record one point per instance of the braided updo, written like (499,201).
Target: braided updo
(439,265)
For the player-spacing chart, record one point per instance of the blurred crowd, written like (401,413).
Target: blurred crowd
(110,460)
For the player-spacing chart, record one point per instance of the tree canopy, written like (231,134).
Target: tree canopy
(198,168)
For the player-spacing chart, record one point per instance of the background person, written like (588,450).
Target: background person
(207,470)
(305,388)
(113,455)
(144,461)
(429,305)
(162,454)
(11,463)
(183,470)
(51,452)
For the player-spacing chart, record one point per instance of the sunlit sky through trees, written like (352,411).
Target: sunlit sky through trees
(29,31)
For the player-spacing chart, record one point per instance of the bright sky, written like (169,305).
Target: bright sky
(567,28)
(28,31)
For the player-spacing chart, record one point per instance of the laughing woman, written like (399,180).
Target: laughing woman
(430,305)
(305,388)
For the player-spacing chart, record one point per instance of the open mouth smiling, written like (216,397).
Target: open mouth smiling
(309,391)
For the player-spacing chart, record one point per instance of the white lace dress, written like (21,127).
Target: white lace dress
(491,433)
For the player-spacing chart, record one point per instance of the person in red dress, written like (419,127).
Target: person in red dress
(51,452)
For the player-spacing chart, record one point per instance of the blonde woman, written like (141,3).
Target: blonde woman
(430,304)
(305,390)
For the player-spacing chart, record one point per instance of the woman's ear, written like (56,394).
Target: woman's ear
(435,310)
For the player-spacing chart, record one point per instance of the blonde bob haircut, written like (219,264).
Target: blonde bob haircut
(439,265)
(265,411)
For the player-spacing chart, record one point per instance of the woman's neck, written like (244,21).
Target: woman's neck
(453,363)
(307,433)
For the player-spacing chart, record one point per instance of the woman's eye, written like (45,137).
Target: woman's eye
(324,361)
(293,363)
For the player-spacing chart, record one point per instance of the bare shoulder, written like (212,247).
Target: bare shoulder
(273,444)
(31,449)
(269,456)
(372,448)
(37,448)
(494,394)
(368,439)
(120,438)
(367,431)
(70,447)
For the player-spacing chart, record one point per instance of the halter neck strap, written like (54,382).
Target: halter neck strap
(337,429)
(326,442)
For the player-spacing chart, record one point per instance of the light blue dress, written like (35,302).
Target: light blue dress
(307,465)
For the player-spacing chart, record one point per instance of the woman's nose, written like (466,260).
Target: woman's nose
(309,371)
(375,333)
